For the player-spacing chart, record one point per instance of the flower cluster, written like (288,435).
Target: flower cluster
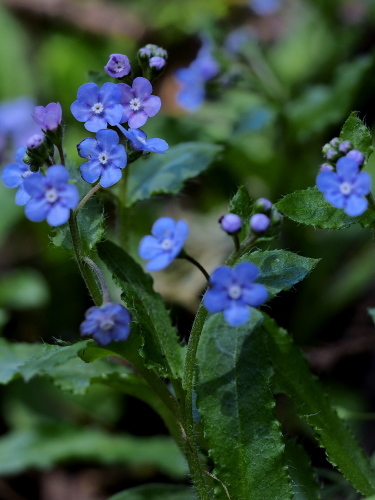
(341,180)
(192,80)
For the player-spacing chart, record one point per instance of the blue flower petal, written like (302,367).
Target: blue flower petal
(158,263)
(91,171)
(110,94)
(245,273)
(37,209)
(89,93)
(355,205)
(118,156)
(12,175)
(335,198)
(149,247)
(216,300)
(95,123)
(362,184)
(34,184)
(107,139)
(57,175)
(22,197)
(110,175)
(222,277)
(254,294)
(58,215)
(87,148)
(347,169)
(237,313)
(163,227)
(81,111)
(327,181)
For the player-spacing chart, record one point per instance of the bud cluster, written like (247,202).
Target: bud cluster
(153,57)
(336,149)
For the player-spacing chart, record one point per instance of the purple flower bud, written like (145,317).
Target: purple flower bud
(326,167)
(230,223)
(157,62)
(345,147)
(334,142)
(117,66)
(145,52)
(49,117)
(331,154)
(357,156)
(259,223)
(264,204)
(35,141)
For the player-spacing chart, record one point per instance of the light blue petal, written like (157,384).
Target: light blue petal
(347,169)
(237,313)
(22,197)
(37,209)
(91,171)
(110,175)
(159,262)
(107,139)
(149,247)
(222,277)
(163,227)
(327,181)
(355,205)
(254,294)
(362,184)
(58,215)
(216,300)
(88,148)
(245,273)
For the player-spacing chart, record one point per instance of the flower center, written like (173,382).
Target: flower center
(26,174)
(106,324)
(51,195)
(135,104)
(97,108)
(166,244)
(235,292)
(345,188)
(103,158)
(119,67)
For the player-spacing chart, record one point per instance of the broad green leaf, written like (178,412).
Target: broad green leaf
(45,445)
(160,174)
(156,492)
(236,405)
(355,131)
(90,218)
(241,205)
(309,207)
(12,357)
(279,269)
(304,483)
(151,320)
(293,378)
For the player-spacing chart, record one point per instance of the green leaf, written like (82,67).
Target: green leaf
(156,492)
(12,357)
(279,269)
(236,405)
(309,207)
(293,378)
(241,205)
(45,445)
(304,483)
(90,218)
(161,174)
(160,349)
(355,131)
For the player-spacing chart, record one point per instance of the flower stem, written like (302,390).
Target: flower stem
(184,255)
(123,211)
(61,153)
(99,274)
(87,197)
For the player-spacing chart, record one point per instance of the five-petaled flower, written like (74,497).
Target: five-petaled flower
(110,322)
(138,103)
(51,196)
(97,106)
(14,175)
(168,238)
(232,291)
(117,66)
(138,141)
(49,117)
(106,158)
(347,187)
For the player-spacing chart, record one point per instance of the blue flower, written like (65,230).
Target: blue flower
(347,187)
(97,106)
(233,291)
(14,175)
(110,322)
(139,142)
(117,66)
(168,238)
(52,196)
(106,158)
(137,102)
(192,79)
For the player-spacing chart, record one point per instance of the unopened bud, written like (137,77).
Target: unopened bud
(230,223)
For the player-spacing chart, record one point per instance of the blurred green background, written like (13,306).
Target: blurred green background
(298,74)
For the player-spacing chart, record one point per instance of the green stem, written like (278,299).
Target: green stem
(99,275)
(184,255)
(87,197)
(61,153)
(123,211)
(90,278)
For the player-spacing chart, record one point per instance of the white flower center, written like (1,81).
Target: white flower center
(119,67)
(345,188)
(97,108)
(26,174)
(103,158)
(235,292)
(51,195)
(135,104)
(106,324)
(166,244)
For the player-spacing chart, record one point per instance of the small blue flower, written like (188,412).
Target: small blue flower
(97,106)
(14,175)
(192,79)
(51,196)
(168,238)
(110,322)
(347,187)
(137,102)
(233,291)
(139,142)
(106,158)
